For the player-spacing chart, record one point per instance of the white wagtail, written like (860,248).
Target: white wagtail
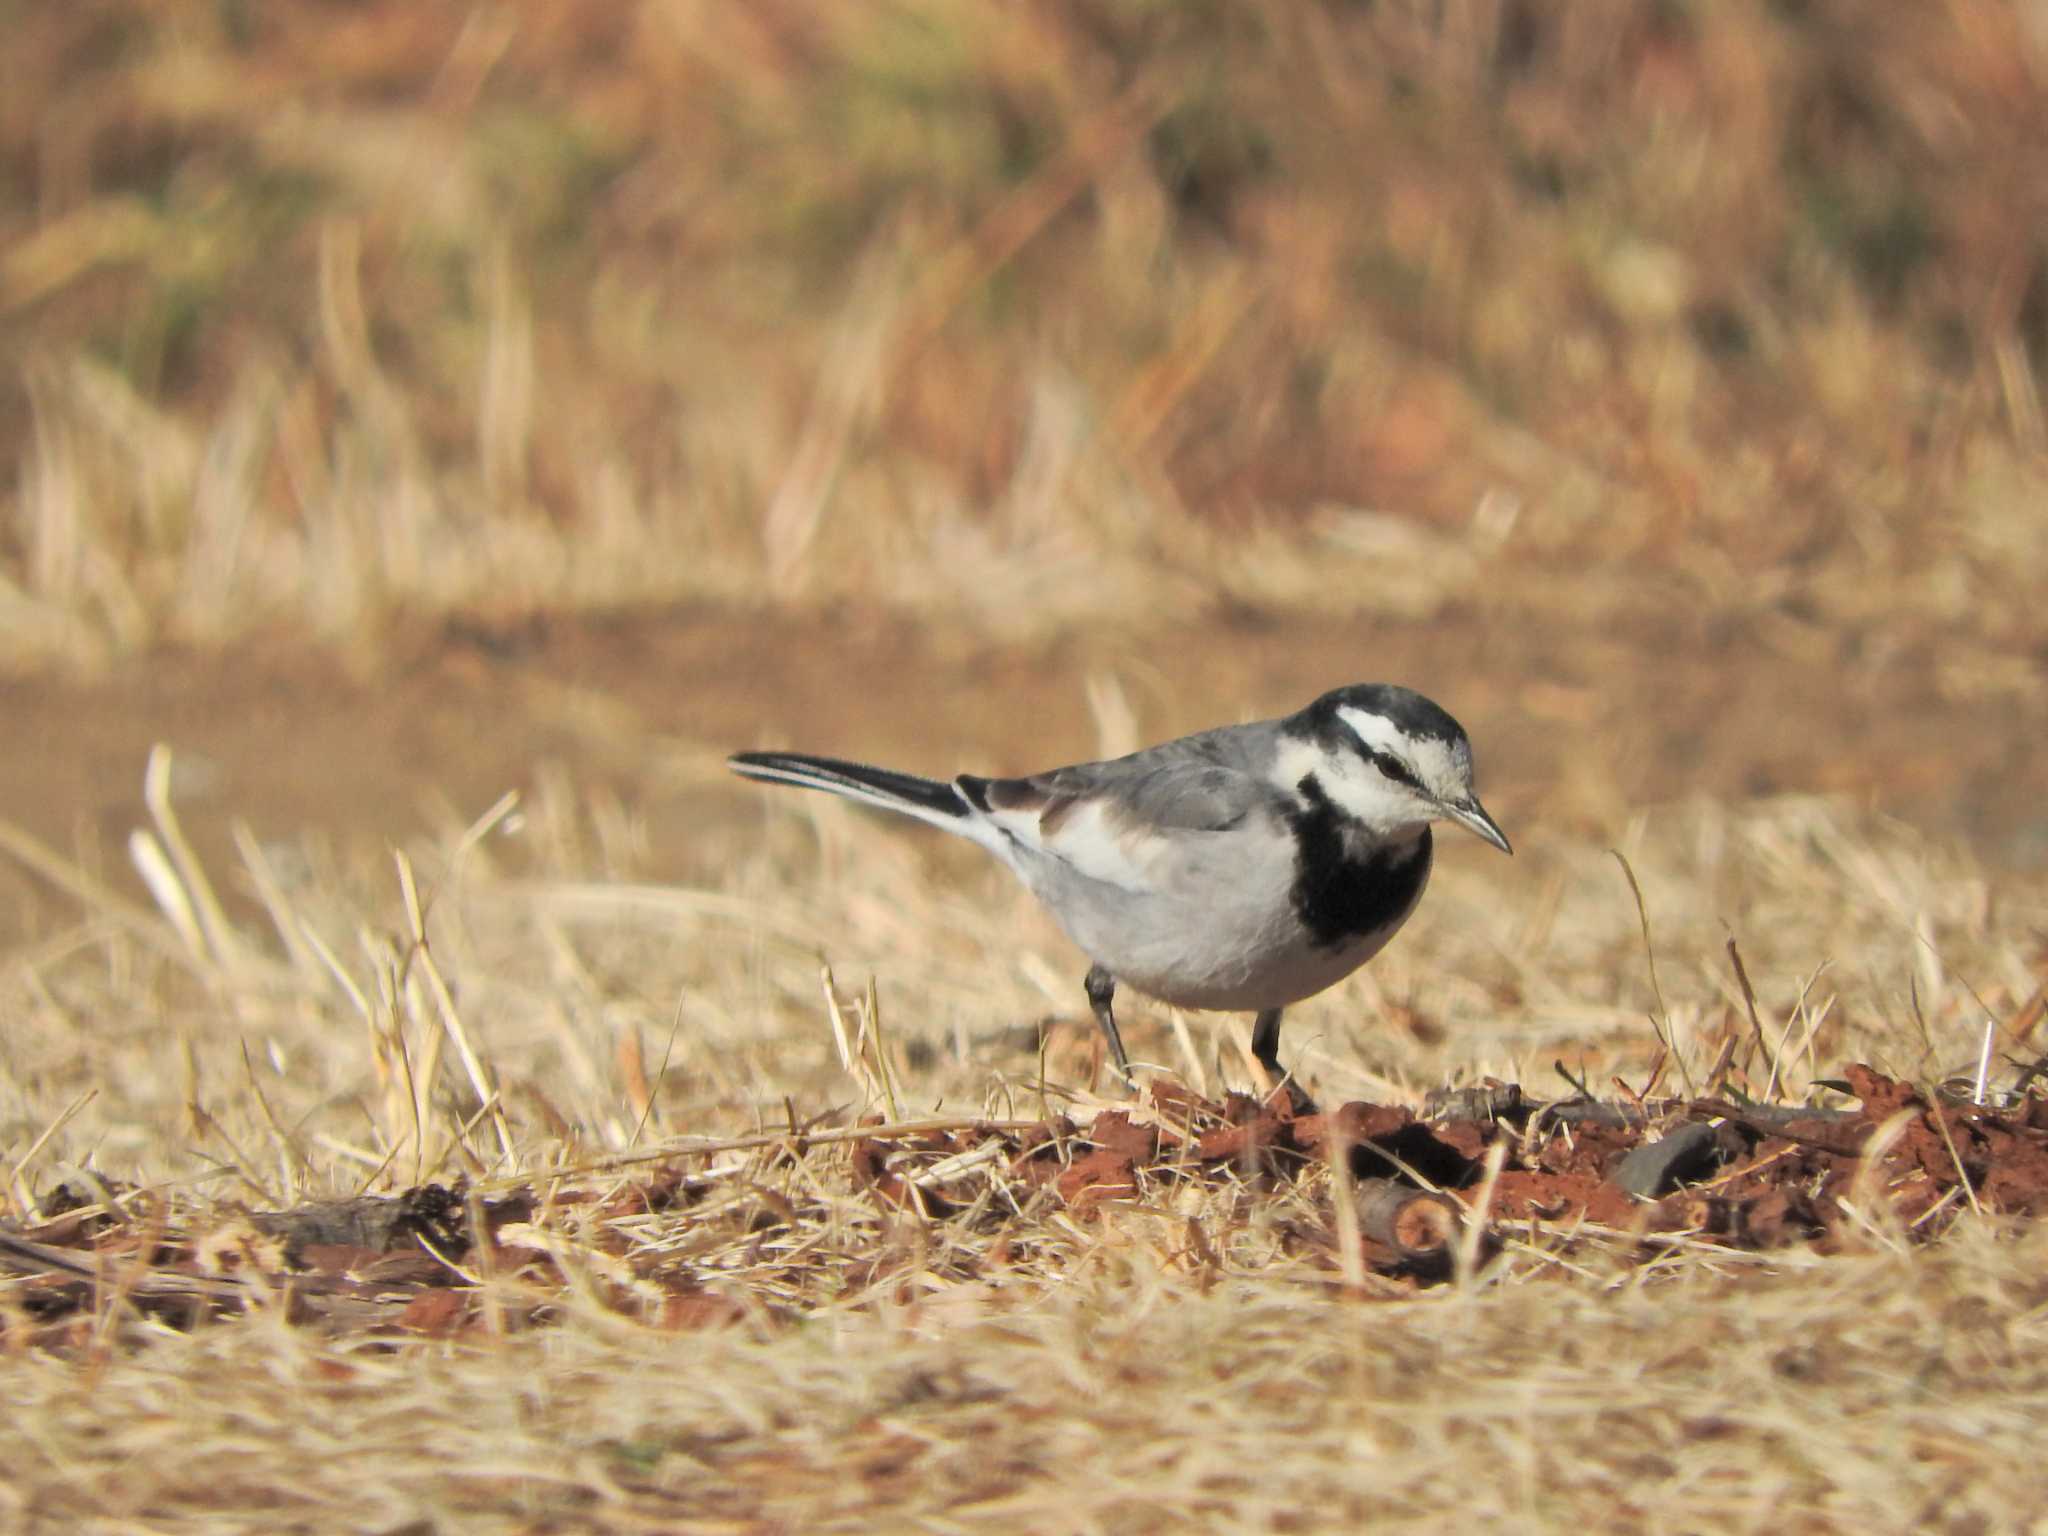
(1246,867)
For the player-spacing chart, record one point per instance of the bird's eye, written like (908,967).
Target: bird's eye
(1396,770)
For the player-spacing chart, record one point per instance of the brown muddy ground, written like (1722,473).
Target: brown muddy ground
(1577,729)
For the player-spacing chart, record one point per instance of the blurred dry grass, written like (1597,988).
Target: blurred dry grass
(316,316)
(318,321)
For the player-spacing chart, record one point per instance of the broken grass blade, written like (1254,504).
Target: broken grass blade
(838,1022)
(1940,1119)
(158,874)
(500,811)
(445,1010)
(1660,1023)
(27,1206)
(950,1168)
(224,944)
(1350,1239)
(133,920)
(270,891)
(872,1017)
(341,977)
(668,1052)
(1465,1257)
(1749,1003)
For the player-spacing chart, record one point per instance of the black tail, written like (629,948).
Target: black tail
(926,799)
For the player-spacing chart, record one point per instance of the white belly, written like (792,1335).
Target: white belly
(1204,936)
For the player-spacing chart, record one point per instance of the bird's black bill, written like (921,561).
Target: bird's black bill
(1471,815)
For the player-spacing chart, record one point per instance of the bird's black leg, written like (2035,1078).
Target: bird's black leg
(1266,1042)
(1266,1052)
(1101,988)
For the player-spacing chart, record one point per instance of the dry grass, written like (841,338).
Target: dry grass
(852,1365)
(1869,1392)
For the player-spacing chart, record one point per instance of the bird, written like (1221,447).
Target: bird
(1243,868)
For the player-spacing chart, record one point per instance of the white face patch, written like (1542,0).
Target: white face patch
(1376,731)
(1444,768)
(1354,786)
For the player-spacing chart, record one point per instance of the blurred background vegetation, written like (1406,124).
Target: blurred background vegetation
(325,314)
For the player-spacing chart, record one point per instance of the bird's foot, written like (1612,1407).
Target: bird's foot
(1298,1104)
(1285,1093)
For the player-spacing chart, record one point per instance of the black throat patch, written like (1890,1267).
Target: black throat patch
(1339,895)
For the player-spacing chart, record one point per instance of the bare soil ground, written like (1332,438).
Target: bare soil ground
(1579,726)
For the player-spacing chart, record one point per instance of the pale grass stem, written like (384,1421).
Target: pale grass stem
(407,1087)
(668,1051)
(223,944)
(1800,1013)
(871,1030)
(288,925)
(1660,1021)
(861,1052)
(23,1201)
(1191,1059)
(1344,1195)
(1472,1231)
(290,1162)
(1982,1081)
(1940,1118)
(445,1009)
(157,873)
(1756,1026)
(1866,1202)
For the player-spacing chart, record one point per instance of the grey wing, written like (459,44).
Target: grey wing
(1117,821)
(1200,783)
(1168,796)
